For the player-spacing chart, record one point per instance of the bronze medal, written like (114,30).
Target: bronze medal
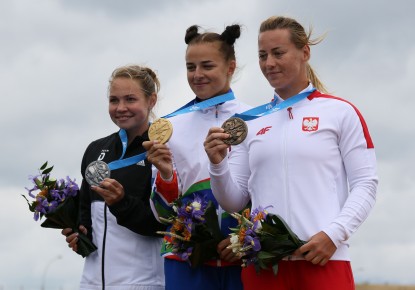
(237,129)
(160,130)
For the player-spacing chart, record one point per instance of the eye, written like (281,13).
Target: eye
(277,54)
(262,56)
(190,67)
(208,66)
(131,99)
(113,100)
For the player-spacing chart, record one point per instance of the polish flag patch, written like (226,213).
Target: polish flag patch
(310,124)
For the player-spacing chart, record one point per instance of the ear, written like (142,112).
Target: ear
(152,100)
(306,52)
(231,68)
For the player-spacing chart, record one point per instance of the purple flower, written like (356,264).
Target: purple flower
(185,253)
(51,192)
(254,242)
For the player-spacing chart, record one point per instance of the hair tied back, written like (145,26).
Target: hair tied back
(231,33)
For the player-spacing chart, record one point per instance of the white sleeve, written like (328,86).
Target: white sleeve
(359,160)
(229,180)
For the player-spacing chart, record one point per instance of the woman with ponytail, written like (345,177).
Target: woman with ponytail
(182,163)
(309,158)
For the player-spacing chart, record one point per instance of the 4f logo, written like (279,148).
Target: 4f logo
(310,124)
(263,130)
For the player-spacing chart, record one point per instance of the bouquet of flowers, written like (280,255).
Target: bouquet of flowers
(194,232)
(262,239)
(58,202)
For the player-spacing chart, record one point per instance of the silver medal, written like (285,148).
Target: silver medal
(96,172)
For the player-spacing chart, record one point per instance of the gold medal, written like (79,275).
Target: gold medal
(160,130)
(237,129)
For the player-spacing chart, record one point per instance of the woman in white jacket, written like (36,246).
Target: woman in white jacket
(210,63)
(312,162)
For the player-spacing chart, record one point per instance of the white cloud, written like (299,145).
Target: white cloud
(56,59)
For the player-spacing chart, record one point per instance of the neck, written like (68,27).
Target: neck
(132,134)
(286,93)
(222,92)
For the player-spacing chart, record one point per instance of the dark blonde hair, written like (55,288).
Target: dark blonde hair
(226,39)
(299,38)
(144,76)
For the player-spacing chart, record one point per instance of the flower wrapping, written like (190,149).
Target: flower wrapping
(262,239)
(194,232)
(58,202)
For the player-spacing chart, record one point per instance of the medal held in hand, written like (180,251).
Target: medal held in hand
(160,130)
(96,172)
(237,129)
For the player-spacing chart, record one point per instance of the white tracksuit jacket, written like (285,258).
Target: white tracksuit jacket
(314,163)
(189,133)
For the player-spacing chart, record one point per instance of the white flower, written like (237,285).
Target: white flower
(234,239)
(196,205)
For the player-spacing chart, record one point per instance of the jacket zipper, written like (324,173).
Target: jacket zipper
(286,187)
(218,261)
(219,208)
(103,248)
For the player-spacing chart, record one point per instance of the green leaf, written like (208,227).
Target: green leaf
(32,206)
(50,183)
(38,183)
(285,229)
(211,218)
(67,215)
(44,165)
(275,268)
(47,170)
(264,255)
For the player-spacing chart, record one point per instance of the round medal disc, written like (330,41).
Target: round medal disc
(160,130)
(237,129)
(96,172)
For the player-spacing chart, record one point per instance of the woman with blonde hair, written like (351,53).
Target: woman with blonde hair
(115,211)
(311,161)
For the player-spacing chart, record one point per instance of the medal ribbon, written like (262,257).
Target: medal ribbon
(189,107)
(192,106)
(272,106)
(120,163)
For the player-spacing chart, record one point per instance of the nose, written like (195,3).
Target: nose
(121,106)
(198,73)
(270,61)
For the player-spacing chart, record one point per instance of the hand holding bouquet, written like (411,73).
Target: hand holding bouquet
(58,202)
(262,239)
(194,232)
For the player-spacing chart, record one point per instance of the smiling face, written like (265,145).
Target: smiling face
(282,63)
(208,73)
(129,108)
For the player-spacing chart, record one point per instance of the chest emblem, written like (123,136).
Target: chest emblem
(310,124)
(263,130)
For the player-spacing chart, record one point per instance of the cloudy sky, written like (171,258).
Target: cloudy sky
(55,60)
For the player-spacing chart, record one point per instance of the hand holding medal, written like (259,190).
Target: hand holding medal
(216,143)
(160,130)
(96,172)
(237,129)
(158,153)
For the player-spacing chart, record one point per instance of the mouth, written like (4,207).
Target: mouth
(122,118)
(272,73)
(199,83)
